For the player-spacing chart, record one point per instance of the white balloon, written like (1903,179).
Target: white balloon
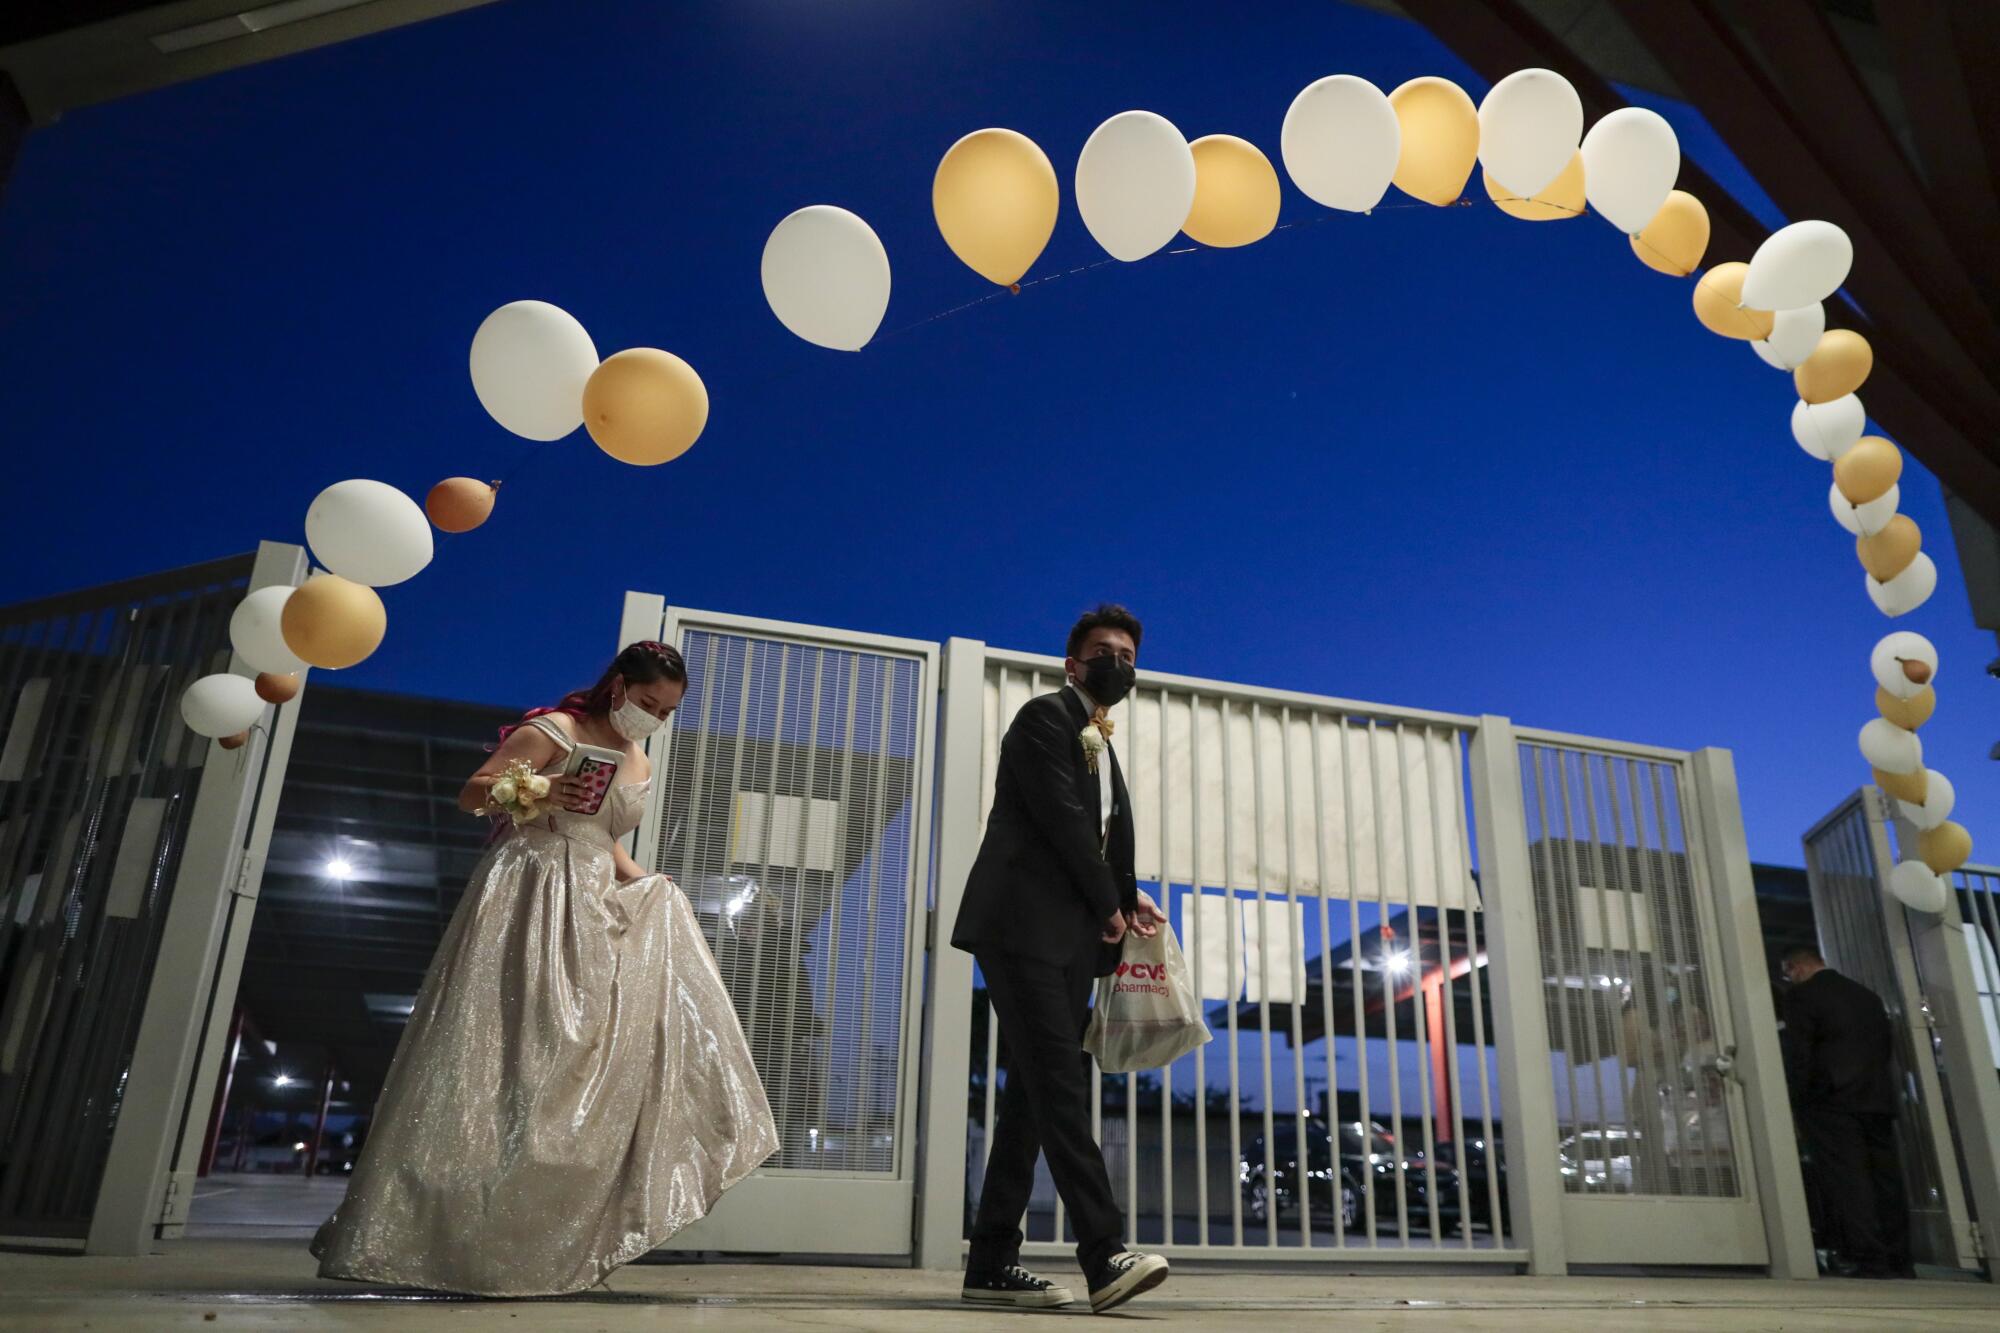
(1797,266)
(254,632)
(1794,334)
(1907,591)
(220,705)
(1863,520)
(1135,184)
(1340,143)
(368,532)
(1529,124)
(529,364)
(1889,748)
(1939,798)
(826,277)
(1919,887)
(1631,160)
(1828,430)
(1887,659)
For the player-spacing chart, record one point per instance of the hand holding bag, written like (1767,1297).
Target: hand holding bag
(1147,1015)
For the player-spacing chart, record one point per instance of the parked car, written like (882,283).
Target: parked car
(1366,1151)
(1601,1159)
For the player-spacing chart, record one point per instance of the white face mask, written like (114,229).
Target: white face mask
(633,722)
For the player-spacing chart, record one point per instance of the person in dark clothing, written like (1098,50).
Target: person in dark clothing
(1840,1065)
(1050,896)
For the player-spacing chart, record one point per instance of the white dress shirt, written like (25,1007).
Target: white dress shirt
(1103,769)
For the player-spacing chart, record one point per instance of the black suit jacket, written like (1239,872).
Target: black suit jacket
(1839,1047)
(1042,884)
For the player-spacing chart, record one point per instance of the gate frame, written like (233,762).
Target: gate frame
(1927,949)
(149,1170)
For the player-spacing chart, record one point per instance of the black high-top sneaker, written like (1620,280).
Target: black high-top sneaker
(1122,1276)
(1015,1286)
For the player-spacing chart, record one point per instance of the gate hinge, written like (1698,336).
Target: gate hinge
(249,875)
(1978,1238)
(1929,1015)
(174,1203)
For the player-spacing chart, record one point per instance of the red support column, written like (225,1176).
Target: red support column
(319,1129)
(1445,1116)
(233,1048)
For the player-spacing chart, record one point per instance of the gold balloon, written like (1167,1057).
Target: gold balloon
(1911,787)
(1945,848)
(644,406)
(1440,139)
(1677,237)
(332,622)
(1560,198)
(1235,192)
(460,504)
(276,688)
(1838,366)
(236,742)
(1910,713)
(1868,469)
(1718,304)
(995,200)
(1890,551)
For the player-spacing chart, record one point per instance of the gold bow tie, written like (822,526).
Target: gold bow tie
(1105,726)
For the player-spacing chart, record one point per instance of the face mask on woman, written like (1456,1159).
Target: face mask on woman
(632,722)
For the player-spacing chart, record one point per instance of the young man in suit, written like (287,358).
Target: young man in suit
(1050,897)
(1840,1064)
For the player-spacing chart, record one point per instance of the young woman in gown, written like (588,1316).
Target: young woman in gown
(573,1087)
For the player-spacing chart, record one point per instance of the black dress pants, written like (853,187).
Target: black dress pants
(1859,1175)
(1043,1010)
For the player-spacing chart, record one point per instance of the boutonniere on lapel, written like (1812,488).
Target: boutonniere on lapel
(1096,735)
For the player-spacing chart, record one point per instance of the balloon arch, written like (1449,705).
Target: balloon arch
(1139,183)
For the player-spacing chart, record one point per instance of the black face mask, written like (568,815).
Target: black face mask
(1107,679)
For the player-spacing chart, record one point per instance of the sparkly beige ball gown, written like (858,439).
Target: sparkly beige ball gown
(573,1087)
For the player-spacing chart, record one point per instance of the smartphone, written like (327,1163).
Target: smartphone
(599,769)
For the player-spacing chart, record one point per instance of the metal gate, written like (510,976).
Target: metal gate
(123,842)
(1642,1033)
(1927,970)
(791,801)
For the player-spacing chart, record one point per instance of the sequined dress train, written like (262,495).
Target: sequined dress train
(572,1089)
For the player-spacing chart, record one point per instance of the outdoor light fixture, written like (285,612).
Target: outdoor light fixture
(261,19)
(1398,962)
(283,1080)
(338,868)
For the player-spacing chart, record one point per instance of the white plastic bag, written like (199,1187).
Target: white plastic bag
(1147,1015)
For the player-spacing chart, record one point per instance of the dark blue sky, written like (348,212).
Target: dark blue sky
(1433,457)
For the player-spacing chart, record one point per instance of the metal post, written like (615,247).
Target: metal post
(1520,1027)
(947,1027)
(216,869)
(1759,1064)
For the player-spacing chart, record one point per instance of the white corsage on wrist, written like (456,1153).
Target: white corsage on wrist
(517,793)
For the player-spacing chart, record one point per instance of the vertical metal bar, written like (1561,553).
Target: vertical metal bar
(1388,987)
(1678,1027)
(1645,961)
(319,1123)
(1195,934)
(1606,885)
(1447,997)
(1163,817)
(1366,1126)
(871,912)
(1477,978)
(1264,977)
(1334,1167)
(1294,918)
(992,1015)
(788,1024)
(1585,978)
(1233,927)
(1419,1019)
(849,743)
(1554,934)
(761,1023)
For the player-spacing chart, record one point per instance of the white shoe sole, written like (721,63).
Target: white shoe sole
(1148,1272)
(1019,1300)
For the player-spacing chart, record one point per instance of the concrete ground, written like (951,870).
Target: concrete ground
(269,1284)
